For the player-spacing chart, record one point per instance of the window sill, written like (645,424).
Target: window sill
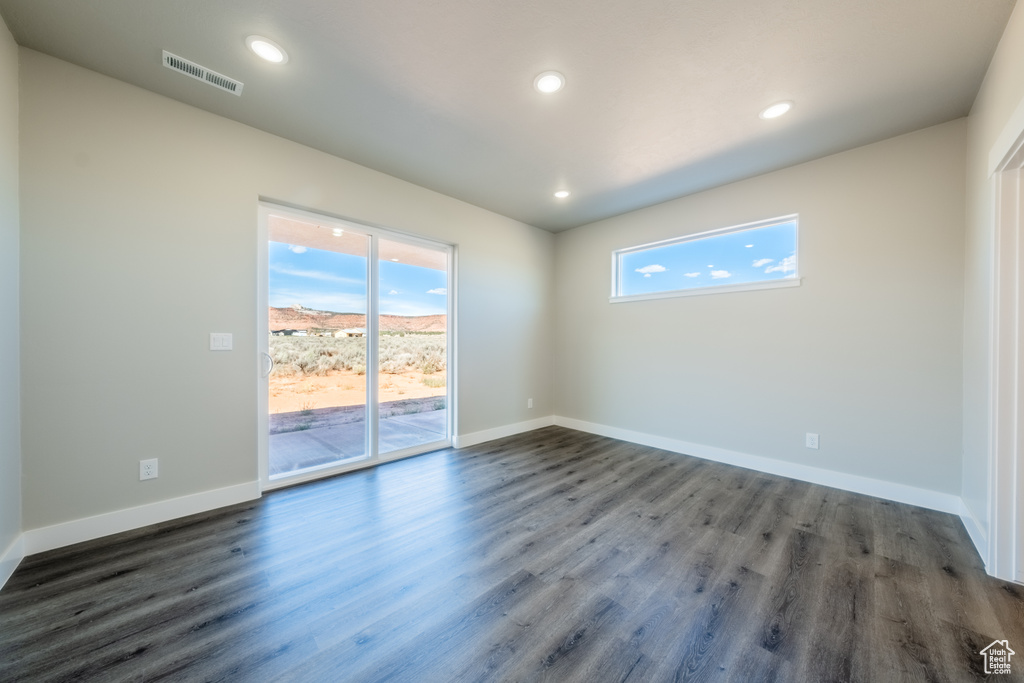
(713,289)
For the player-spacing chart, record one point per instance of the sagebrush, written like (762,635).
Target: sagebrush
(426,353)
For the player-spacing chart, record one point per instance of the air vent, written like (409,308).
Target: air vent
(201,73)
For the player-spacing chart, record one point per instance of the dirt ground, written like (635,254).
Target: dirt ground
(292,393)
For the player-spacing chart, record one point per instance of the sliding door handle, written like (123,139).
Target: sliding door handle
(268,364)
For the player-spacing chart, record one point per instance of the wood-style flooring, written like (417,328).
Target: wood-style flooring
(553,555)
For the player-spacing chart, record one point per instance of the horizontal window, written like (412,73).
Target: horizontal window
(753,256)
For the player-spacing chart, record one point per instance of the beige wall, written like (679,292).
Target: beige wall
(139,239)
(10,411)
(867,352)
(1001,92)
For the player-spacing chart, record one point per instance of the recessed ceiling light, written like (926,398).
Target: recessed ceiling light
(267,49)
(338,232)
(395,260)
(776,110)
(549,82)
(562,194)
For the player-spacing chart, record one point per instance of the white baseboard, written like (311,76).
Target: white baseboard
(77,531)
(978,537)
(474,438)
(900,493)
(11,558)
(89,528)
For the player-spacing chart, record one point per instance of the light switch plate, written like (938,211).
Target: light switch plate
(221,341)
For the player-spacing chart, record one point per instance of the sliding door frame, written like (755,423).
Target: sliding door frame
(375,233)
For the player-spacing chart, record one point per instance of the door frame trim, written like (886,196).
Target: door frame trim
(1004,551)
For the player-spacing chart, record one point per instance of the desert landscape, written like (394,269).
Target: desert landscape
(314,370)
(296,393)
(302,318)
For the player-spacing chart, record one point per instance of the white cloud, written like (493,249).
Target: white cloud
(317,275)
(440,290)
(408,308)
(720,274)
(788,265)
(393,292)
(763,262)
(692,274)
(653,268)
(297,248)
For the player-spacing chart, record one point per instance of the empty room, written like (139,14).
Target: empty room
(477,341)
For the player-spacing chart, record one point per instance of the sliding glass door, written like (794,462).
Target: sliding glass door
(354,330)
(412,357)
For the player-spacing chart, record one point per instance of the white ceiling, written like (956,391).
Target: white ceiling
(661,100)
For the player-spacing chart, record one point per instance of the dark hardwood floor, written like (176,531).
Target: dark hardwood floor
(554,555)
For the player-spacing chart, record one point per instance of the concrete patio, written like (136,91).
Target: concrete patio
(340,442)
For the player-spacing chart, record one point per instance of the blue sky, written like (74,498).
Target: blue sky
(329,281)
(767,253)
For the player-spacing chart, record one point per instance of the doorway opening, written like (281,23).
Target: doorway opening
(355,330)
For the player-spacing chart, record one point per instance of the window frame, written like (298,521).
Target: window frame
(793,280)
(266,208)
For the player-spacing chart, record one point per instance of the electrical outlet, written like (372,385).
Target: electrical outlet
(811,440)
(148,469)
(529,403)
